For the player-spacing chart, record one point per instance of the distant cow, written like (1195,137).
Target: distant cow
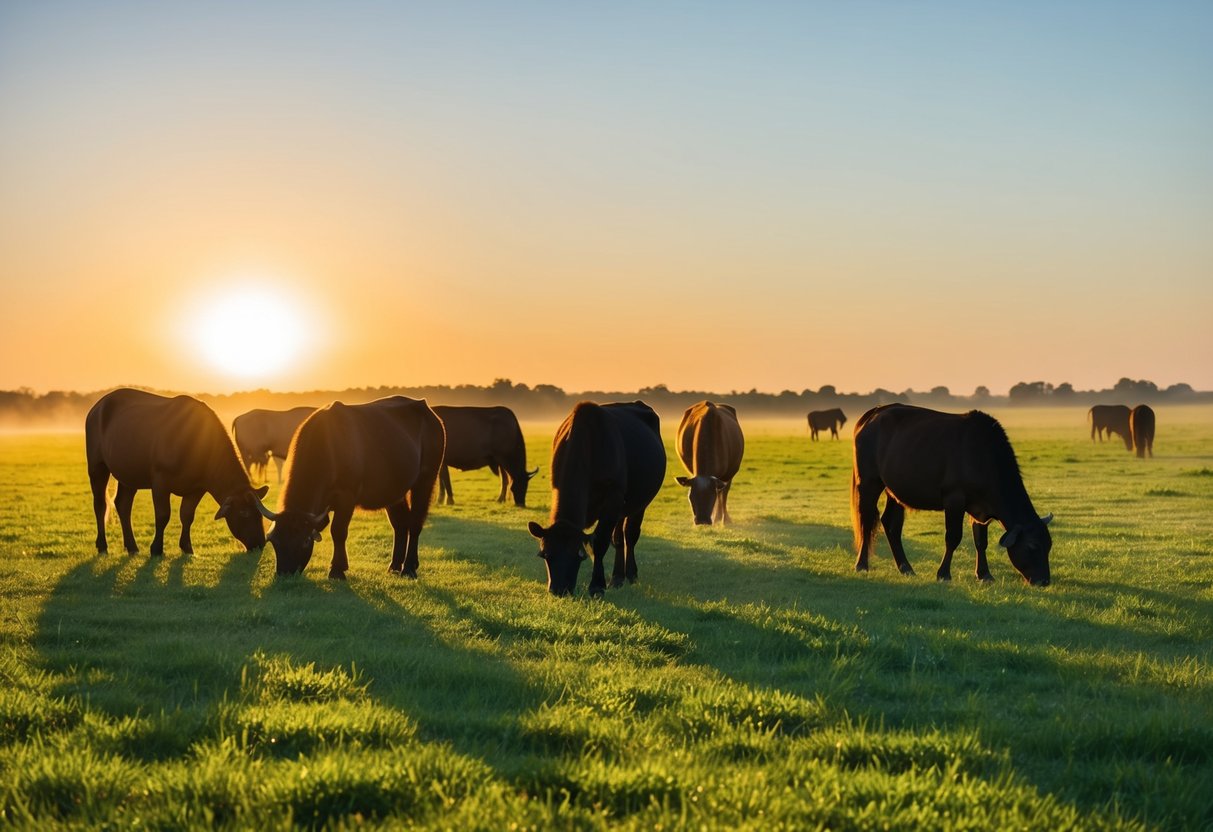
(262,435)
(1113,418)
(484,436)
(608,463)
(384,454)
(944,462)
(1141,426)
(820,420)
(172,446)
(710,445)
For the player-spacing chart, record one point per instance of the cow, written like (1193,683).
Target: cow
(484,436)
(1113,418)
(954,463)
(383,454)
(1141,426)
(820,420)
(608,463)
(710,445)
(262,435)
(171,445)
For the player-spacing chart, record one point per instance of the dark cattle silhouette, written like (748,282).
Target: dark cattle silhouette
(171,446)
(262,435)
(477,437)
(608,463)
(1141,426)
(954,463)
(710,445)
(831,420)
(384,454)
(1113,418)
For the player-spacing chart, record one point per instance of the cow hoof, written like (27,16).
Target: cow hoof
(597,592)
(943,576)
(411,574)
(334,575)
(861,567)
(155,553)
(907,570)
(986,579)
(615,583)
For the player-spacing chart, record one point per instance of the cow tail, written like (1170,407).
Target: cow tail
(863,519)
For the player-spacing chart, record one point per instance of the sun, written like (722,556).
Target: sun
(249,329)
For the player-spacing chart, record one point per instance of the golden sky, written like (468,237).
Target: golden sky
(716,196)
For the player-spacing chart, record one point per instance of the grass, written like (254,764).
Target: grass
(750,679)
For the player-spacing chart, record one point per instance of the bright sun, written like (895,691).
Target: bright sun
(249,330)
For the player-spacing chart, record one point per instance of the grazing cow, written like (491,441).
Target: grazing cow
(262,435)
(1113,418)
(484,436)
(172,446)
(608,463)
(384,454)
(820,420)
(1141,426)
(945,462)
(710,445)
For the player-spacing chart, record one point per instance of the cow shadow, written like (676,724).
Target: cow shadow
(141,637)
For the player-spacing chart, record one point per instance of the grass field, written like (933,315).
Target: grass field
(751,679)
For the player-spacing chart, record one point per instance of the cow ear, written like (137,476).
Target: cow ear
(1047,519)
(322,523)
(537,531)
(719,483)
(530,474)
(260,493)
(683,481)
(224,508)
(1008,539)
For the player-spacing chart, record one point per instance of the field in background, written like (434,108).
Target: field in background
(750,679)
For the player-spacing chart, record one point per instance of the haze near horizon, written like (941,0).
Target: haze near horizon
(719,197)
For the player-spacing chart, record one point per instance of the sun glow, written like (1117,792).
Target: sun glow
(250,330)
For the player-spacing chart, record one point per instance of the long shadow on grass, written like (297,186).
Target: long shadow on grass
(131,636)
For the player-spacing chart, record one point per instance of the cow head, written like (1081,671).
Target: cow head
(293,534)
(241,511)
(562,547)
(518,487)
(1028,548)
(703,493)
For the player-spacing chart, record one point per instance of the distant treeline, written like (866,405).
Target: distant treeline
(25,409)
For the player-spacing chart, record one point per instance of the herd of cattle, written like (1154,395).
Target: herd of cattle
(608,463)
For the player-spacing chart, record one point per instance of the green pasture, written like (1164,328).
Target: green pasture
(751,679)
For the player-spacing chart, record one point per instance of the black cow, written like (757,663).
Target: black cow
(831,420)
(608,463)
(385,454)
(1141,426)
(172,446)
(262,435)
(710,445)
(944,462)
(477,437)
(1113,418)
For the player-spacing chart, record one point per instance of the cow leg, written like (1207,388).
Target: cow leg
(340,530)
(953,533)
(631,534)
(162,511)
(99,480)
(124,502)
(189,505)
(418,509)
(603,533)
(722,506)
(865,495)
(505,484)
(617,575)
(445,497)
(893,519)
(981,538)
(399,517)
(278,463)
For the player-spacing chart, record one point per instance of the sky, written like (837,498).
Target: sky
(225,196)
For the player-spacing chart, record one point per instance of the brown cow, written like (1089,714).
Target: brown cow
(608,463)
(820,420)
(1141,426)
(945,462)
(1113,418)
(262,435)
(384,454)
(172,446)
(710,445)
(477,437)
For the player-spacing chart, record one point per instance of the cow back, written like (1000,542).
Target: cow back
(710,442)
